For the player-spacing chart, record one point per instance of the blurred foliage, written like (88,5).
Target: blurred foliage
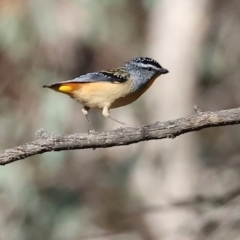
(72,195)
(41,42)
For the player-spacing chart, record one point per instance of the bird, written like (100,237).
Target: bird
(113,88)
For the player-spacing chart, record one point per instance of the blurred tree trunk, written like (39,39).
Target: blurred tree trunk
(176,31)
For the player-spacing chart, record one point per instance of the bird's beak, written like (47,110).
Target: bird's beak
(163,71)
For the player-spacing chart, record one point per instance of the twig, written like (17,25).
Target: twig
(123,136)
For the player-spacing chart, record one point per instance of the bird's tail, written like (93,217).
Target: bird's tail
(67,88)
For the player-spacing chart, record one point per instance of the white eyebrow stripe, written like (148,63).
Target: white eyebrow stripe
(144,65)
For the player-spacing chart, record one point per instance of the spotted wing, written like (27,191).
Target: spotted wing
(113,76)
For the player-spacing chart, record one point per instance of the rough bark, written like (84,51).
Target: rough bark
(123,136)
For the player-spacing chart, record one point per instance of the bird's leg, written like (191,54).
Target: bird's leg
(106,113)
(85,113)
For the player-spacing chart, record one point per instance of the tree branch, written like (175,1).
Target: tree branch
(123,136)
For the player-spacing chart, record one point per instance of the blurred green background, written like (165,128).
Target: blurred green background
(123,192)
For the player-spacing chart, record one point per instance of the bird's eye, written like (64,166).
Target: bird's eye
(149,69)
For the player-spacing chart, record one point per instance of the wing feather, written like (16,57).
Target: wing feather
(113,76)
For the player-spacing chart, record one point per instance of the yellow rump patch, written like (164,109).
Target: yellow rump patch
(67,88)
